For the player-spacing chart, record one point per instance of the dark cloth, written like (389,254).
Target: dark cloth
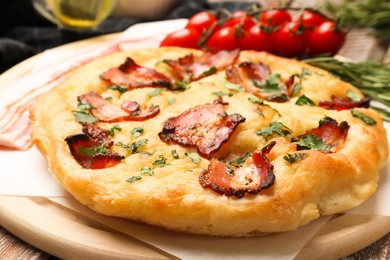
(23,32)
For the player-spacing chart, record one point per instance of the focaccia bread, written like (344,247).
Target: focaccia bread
(228,144)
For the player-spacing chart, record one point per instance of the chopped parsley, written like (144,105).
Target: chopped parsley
(210,71)
(274,128)
(134,178)
(194,157)
(155,92)
(133,147)
(92,151)
(160,162)
(270,84)
(235,87)
(257,101)
(312,141)
(171,101)
(175,154)
(229,170)
(294,157)
(182,84)
(147,170)
(353,95)
(111,131)
(366,119)
(240,160)
(303,100)
(137,131)
(120,89)
(82,115)
(221,94)
(298,85)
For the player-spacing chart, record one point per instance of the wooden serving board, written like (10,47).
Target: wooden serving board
(69,234)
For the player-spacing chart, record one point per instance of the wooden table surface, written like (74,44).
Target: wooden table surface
(359,46)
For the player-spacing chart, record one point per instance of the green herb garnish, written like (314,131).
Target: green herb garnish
(137,131)
(353,95)
(235,87)
(240,160)
(147,170)
(84,117)
(366,119)
(210,71)
(294,157)
(160,162)
(170,101)
(134,178)
(303,100)
(111,131)
(312,141)
(194,157)
(155,92)
(121,89)
(175,154)
(182,84)
(274,128)
(133,147)
(257,101)
(92,151)
(221,94)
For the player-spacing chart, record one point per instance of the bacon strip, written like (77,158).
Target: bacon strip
(255,175)
(93,137)
(132,75)
(249,75)
(195,68)
(206,127)
(332,133)
(107,112)
(338,103)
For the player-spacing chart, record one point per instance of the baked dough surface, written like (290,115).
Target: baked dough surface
(320,184)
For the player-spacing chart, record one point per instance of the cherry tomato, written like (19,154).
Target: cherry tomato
(186,38)
(245,22)
(275,18)
(326,38)
(202,21)
(240,18)
(256,39)
(311,19)
(289,40)
(223,39)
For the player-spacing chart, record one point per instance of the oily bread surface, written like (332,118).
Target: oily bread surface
(172,197)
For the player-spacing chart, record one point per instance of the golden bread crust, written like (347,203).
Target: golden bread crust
(322,183)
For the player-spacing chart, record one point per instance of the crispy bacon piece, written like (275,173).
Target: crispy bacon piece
(338,103)
(255,175)
(206,127)
(107,112)
(97,134)
(197,67)
(250,75)
(332,133)
(97,160)
(132,75)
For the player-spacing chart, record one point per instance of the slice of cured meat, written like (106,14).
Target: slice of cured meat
(196,67)
(255,175)
(107,112)
(132,75)
(206,127)
(338,103)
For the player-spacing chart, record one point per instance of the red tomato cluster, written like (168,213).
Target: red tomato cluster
(272,31)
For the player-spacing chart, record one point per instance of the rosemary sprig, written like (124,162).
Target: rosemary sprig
(373,79)
(364,13)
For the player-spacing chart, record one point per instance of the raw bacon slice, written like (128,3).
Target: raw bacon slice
(331,133)
(99,157)
(255,175)
(250,76)
(131,75)
(344,103)
(206,127)
(107,112)
(196,67)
